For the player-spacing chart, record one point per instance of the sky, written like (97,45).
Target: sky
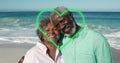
(36,5)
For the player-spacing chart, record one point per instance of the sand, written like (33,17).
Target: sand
(11,53)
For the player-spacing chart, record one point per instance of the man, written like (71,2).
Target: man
(86,47)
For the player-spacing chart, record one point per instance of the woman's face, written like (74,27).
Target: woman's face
(52,32)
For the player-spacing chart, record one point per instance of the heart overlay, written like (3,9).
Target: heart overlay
(60,14)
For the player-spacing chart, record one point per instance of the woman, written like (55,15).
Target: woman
(45,51)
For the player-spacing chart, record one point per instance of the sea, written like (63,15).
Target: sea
(19,26)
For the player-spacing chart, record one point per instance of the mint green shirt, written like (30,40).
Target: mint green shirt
(87,47)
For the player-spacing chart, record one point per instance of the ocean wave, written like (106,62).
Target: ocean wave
(114,39)
(104,28)
(9,20)
(98,26)
(4,29)
(31,40)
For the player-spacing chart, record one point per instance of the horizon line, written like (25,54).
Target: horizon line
(40,10)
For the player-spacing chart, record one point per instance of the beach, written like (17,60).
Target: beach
(12,53)
(18,32)
(116,55)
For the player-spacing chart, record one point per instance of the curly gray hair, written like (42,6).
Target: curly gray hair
(43,23)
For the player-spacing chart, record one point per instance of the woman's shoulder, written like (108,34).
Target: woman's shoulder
(32,50)
(38,48)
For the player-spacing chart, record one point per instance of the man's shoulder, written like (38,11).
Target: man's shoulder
(96,36)
(94,33)
(88,32)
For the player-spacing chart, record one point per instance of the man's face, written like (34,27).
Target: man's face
(63,23)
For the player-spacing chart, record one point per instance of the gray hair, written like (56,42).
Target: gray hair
(43,23)
(60,9)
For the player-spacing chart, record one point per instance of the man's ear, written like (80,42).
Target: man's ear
(71,15)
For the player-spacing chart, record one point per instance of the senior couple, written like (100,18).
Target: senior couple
(88,46)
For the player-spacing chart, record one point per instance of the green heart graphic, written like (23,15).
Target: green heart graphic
(59,14)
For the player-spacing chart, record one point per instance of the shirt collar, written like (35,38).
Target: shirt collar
(42,47)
